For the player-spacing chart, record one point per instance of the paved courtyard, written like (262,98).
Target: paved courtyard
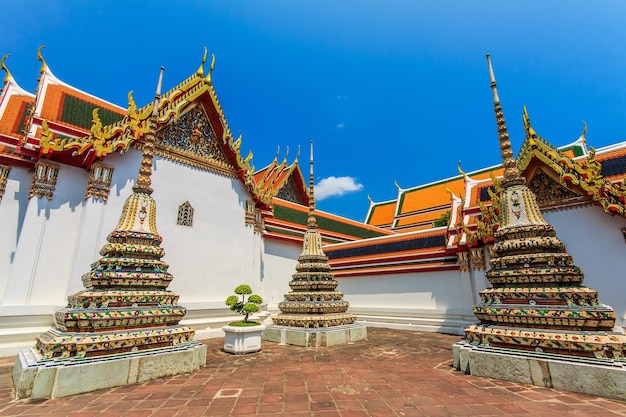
(393,373)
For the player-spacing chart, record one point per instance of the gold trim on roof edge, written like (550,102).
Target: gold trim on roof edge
(119,136)
(586,174)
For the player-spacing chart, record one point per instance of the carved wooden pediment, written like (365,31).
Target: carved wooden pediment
(191,140)
(552,194)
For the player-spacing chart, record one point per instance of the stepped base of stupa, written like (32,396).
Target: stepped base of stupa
(315,336)
(38,378)
(600,377)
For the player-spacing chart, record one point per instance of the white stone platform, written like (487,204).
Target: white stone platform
(37,378)
(315,337)
(603,378)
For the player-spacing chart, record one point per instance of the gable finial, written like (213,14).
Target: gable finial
(200,71)
(445,187)
(511,173)
(208,77)
(458,167)
(582,135)
(44,66)
(4,67)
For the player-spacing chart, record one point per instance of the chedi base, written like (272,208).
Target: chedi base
(37,378)
(600,377)
(315,337)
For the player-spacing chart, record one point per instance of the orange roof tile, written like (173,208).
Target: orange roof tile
(382,214)
(428,196)
(423,217)
(14,114)
(52,108)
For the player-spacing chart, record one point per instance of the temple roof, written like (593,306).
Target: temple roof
(418,251)
(288,221)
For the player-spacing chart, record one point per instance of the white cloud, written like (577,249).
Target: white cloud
(341,125)
(336,186)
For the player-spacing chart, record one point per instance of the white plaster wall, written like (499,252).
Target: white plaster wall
(12,211)
(39,271)
(437,291)
(219,252)
(595,241)
(279,263)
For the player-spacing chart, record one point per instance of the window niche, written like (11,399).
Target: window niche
(185,214)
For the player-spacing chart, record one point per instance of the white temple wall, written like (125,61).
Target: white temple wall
(219,252)
(427,301)
(595,241)
(39,272)
(12,211)
(279,264)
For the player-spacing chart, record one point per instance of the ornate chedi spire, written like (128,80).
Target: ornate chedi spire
(537,302)
(126,306)
(313,301)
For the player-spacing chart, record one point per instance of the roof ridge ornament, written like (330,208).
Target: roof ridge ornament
(4,67)
(200,71)
(511,172)
(44,65)
(582,135)
(445,187)
(211,68)
(458,167)
(530,132)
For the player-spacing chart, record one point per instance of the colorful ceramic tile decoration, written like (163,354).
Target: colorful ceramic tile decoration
(537,301)
(126,306)
(313,301)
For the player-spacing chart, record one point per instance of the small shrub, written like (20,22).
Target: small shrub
(240,305)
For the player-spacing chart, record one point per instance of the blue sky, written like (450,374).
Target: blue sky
(393,90)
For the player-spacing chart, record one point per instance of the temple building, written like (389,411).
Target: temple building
(68,161)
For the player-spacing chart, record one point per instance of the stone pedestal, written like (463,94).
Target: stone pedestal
(38,378)
(315,337)
(600,377)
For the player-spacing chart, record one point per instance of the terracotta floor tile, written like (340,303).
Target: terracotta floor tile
(394,373)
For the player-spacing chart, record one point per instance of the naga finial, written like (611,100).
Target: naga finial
(511,172)
(4,67)
(298,154)
(44,66)
(370,198)
(530,132)
(286,155)
(395,182)
(208,77)
(582,135)
(458,167)
(200,71)
(445,187)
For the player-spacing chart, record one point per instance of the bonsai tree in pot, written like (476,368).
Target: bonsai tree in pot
(243,336)
(243,306)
